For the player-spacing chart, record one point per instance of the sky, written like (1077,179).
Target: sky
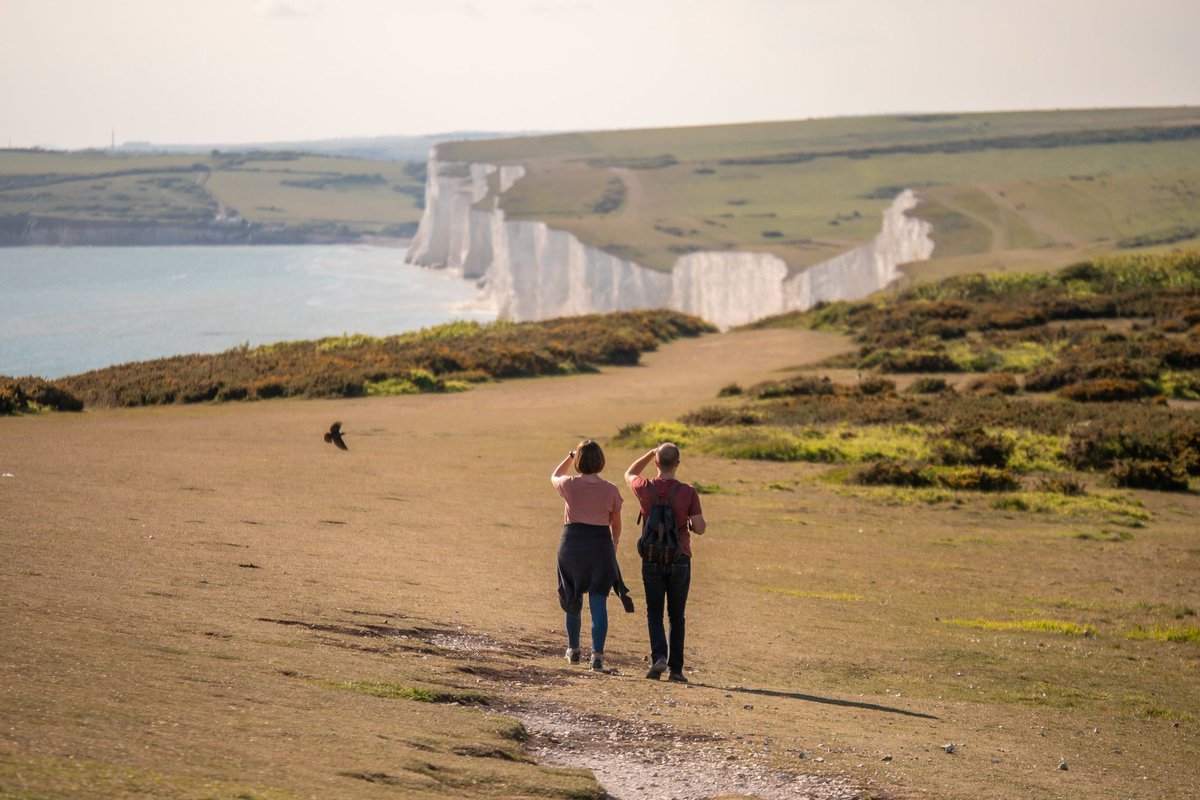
(77,73)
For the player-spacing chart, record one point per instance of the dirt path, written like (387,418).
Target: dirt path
(634,193)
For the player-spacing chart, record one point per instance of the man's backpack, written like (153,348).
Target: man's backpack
(659,542)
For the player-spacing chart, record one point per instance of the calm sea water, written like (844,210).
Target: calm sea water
(68,310)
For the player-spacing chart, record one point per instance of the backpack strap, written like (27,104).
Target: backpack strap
(669,497)
(671,502)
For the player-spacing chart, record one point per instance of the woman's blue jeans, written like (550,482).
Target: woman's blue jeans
(598,604)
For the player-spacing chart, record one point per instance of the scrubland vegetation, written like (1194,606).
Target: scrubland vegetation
(1015,385)
(443,358)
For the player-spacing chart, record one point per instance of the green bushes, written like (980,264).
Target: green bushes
(1112,338)
(435,359)
(892,473)
(980,479)
(1106,390)
(1155,437)
(973,446)
(1158,475)
(24,395)
(917,476)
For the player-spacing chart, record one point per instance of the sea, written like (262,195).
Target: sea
(66,310)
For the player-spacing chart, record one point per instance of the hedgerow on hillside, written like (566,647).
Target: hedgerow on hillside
(442,358)
(1073,371)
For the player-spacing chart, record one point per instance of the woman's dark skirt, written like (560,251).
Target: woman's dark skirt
(586,563)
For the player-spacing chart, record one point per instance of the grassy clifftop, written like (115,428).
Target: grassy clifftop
(1013,190)
(275,192)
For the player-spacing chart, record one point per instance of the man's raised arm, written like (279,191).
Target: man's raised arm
(635,469)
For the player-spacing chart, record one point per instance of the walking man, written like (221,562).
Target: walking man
(667,582)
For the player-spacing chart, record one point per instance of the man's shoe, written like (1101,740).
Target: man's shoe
(598,663)
(656,671)
(678,677)
(572,655)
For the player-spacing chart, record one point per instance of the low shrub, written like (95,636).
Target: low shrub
(892,473)
(1105,390)
(716,416)
(1061,484)
(999,383)
(899,362)
(1161,476)
(730,390)
(803,386)
(972,446)
(22,395)
(876,386)
(979,479)
(929,385)
(1148,436)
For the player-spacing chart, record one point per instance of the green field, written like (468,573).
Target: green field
(287,191)
(1008,190)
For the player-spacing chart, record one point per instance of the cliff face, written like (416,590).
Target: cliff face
(528,270)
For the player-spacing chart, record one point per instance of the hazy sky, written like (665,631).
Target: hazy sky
(212,71)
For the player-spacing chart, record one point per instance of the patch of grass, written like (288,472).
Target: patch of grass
(1163,712)
(1038,625)
(840,596)
(398,691)
(1104,536)
(1164,633)
(38,777)
(900,496)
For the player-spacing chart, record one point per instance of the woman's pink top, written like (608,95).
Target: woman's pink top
(590,499)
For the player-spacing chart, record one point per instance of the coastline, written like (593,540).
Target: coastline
(27,230)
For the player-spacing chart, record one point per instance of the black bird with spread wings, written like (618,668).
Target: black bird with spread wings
(335,436)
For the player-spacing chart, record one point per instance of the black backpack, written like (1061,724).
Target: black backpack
(659,542)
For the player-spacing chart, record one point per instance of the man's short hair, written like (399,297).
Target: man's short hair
(668,455)
(589,458)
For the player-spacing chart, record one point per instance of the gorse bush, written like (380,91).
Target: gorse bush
(23,395)
(979,479)
(1161,476)
(893,473)
(442,358)
(972,446)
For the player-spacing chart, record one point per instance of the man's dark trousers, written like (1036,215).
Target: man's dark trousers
(669,583)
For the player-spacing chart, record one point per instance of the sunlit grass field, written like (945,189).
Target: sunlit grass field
(809,190)
(283,189)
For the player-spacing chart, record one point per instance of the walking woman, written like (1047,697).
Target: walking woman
(587,559)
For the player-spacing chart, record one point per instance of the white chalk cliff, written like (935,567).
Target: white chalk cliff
(530,271)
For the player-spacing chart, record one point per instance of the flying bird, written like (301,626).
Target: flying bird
(335,436)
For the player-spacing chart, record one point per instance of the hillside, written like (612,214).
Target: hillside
(97,197)
(208,601)
(1012,190)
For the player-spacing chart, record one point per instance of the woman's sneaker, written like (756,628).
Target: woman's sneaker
(656,671)
(598,662)
(678,677)
(572,655)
